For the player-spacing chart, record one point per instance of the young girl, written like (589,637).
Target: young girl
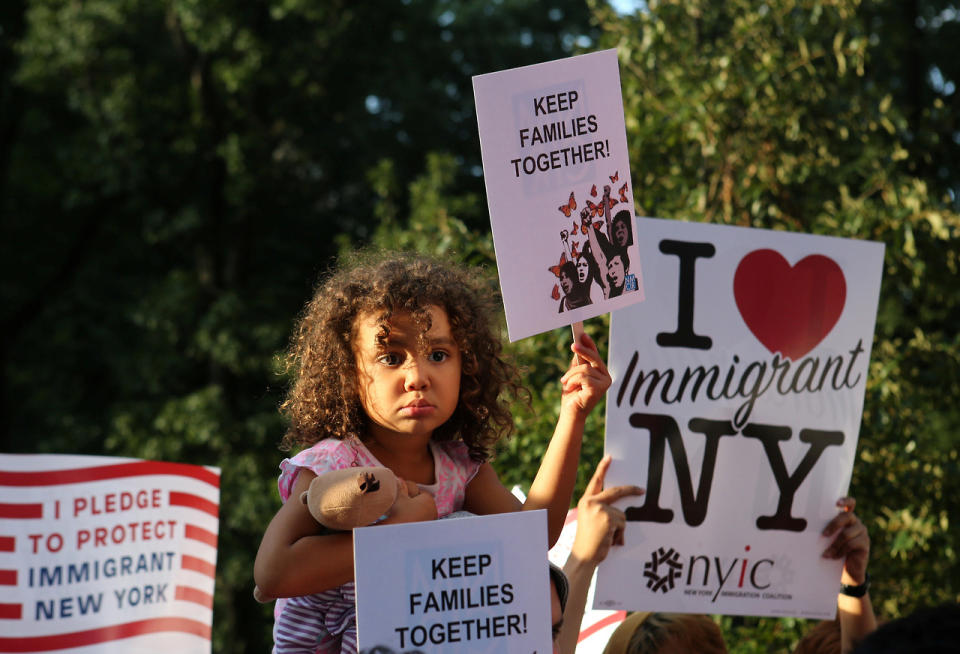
(397,364)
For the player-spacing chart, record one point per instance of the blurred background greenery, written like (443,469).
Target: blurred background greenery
(176,174)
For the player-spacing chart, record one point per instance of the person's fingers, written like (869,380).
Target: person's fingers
(581,369)
(618,519)
(587,350)
(607,540)
(588,342)
(848,540)
(847,504)
(586,382)
(575,374)
(838,522)
(618,537)
(595,485)
(591,358)
(614,493)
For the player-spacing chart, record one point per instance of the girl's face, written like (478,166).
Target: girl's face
(404,390)
(566,283)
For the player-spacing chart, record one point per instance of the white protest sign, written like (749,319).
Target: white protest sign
(477,584)
(736,402)
(107,555)
(557,176)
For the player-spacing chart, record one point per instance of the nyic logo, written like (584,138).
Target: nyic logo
(711,576)
(662,579)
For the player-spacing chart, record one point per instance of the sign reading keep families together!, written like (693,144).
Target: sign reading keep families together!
(477,584)
(557,176)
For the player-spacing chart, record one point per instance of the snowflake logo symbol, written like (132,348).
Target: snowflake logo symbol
(669,560)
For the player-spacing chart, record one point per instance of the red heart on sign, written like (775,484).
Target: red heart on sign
(789,309)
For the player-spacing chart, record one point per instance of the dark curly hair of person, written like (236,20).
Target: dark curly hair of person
(324,400)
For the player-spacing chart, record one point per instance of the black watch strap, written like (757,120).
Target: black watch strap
(856,591)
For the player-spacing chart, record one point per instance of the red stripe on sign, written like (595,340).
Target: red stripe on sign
(104,635)
(115,471)
(198,533)
(614,618)
(188,594)
(11,612)
(8,577)
(192,501)
(8,544)
(198,565)
(15,511)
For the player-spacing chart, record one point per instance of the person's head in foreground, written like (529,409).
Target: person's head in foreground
(559,589)
(824,638)
(666,633)
(931,630)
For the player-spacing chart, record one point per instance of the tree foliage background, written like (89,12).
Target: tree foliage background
(175,174)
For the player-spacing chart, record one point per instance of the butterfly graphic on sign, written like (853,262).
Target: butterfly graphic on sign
(595,209)
(790,309)
(556,269)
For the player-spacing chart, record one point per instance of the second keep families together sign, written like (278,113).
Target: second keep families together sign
(557,177)
(477,584)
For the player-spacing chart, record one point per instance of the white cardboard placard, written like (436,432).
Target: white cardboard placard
(552,139)
(105,554)
(736,402)
(477,584)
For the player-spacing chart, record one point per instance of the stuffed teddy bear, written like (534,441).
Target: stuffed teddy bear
(352,497)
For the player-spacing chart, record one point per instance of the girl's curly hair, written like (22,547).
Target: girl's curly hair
(324,400)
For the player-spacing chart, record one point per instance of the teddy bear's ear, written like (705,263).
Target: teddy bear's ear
(303,497)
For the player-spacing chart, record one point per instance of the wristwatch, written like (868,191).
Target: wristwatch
(858,590)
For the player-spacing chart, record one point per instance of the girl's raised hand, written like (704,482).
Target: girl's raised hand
(586,380)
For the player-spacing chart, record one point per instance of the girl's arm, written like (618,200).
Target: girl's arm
(584,384)
(294,560)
